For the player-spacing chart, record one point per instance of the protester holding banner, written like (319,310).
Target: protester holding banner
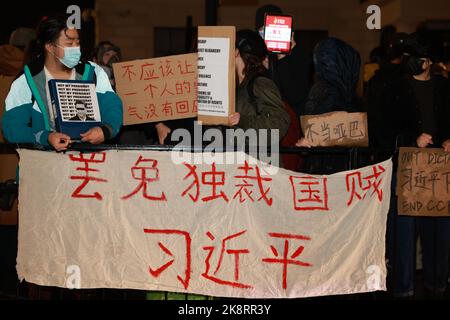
(423,101)
(258,100)
(57,56)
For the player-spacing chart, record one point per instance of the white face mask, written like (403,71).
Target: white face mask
(71,57)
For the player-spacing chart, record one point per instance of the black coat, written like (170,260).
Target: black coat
(293,76)
(410,119)
(393,110)
(383,111)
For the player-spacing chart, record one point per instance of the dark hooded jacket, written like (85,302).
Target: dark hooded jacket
(337,67)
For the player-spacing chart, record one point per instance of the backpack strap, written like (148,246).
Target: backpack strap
(87,71)
(37,97)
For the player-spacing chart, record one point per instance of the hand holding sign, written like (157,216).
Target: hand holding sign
(94,135)
(59,141)
(234,119)
(446,145)
(163,132)
(424,140)
(304,143)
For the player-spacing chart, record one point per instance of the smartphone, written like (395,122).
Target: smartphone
(278,33)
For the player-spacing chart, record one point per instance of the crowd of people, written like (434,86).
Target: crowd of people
(406,97)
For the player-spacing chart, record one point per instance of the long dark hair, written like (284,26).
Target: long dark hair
(48,31)
(253,51)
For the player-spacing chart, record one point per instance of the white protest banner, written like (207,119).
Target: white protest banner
(216,74)
(133,219)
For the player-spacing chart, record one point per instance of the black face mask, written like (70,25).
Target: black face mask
(413,65)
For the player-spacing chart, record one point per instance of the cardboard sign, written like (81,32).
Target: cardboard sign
(423,182)
(216,74)
(338,128)
(227,230)
(159,89)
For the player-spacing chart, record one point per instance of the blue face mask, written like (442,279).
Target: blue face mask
(71,57)
(261,33)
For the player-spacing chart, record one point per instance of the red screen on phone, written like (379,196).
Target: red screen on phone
(277,33)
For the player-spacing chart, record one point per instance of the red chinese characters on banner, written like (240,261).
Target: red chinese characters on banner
(285,258)
(213,179)
(231,252)
(250,184)
(359,186)
(309,193)
(187,256)
(145,174)
(247,185)
(194,185)
(167,83)
(93,158)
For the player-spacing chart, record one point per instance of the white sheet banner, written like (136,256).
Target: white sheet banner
(134,219)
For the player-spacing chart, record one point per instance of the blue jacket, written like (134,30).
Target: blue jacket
(24,121)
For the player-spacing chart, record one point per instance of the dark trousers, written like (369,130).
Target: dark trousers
(401,237)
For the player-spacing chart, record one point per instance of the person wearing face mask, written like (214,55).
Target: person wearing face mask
(29,116)
(81,115)
(422,117)
(425,97)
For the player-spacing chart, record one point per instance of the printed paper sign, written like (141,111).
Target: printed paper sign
(212,70)
(216,74)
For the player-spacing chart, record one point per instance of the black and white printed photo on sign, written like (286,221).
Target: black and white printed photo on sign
(78,102)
